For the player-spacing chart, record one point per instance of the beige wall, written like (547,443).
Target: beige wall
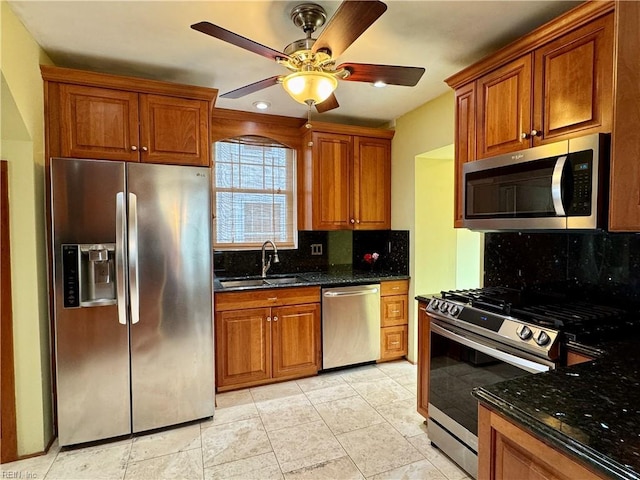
(422,195)
(22,117)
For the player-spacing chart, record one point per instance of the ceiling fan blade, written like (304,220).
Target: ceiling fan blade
(237,40)
(389,74)
(349,22)
(329,104)
(253,87)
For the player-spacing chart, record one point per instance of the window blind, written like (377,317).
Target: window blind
(255,193)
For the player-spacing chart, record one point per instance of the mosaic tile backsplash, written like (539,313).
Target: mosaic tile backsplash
(340,249)
(601,267)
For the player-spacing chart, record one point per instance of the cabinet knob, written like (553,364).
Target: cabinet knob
(358,221)
(268,319)
(524,135)
(145,149)
(536,133)
(352,221)
(275,319)
(133,148)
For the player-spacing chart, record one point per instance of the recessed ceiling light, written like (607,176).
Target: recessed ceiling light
(261,105)
(379,84)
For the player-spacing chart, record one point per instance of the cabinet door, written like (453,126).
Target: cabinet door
(504,108)
(424,331)
(174,130)
(465,142)
(372,183)
(394,310)
(243,346)
(332,158)
(98,123)
(506,451)
(296,340)
(393,342)
(573,83)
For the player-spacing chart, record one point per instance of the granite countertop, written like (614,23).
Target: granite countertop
(337,277)
(590,411)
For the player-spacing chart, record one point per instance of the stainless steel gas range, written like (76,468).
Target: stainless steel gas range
(484,336)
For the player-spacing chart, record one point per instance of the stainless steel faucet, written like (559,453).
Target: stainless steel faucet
(267,265)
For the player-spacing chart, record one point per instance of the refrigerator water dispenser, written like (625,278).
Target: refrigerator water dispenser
(89,275)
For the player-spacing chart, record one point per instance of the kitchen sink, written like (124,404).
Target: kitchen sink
(249,282)
(281,280)
(259,282)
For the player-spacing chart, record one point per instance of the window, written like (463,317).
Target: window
(255,195)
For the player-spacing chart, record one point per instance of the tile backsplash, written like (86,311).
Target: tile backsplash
(339,249)
(602,267)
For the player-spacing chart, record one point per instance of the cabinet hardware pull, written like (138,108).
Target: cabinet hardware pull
(275,319)
(357,221)
(395,343)
(352,221)
(272,299)
(145,149)
(133,148)
(268,319)
(395,288)
(524,135)
(536,133)
(395,311)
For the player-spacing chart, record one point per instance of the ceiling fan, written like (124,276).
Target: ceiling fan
(314,75)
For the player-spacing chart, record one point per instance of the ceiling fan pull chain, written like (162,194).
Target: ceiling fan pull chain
(308,124)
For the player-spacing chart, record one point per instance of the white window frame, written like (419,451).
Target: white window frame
(237,187)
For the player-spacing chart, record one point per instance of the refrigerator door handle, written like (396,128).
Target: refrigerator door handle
(134,293)
(120,259)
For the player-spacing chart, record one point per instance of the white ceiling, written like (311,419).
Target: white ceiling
(153,39)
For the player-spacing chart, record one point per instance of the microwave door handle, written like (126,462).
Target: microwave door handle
(556,186)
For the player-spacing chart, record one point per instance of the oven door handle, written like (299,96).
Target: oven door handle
(522,363)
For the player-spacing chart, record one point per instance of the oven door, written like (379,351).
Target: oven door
(459,362)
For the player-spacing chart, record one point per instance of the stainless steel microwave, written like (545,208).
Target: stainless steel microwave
(562,185)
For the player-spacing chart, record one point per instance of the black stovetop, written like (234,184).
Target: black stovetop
(577,319)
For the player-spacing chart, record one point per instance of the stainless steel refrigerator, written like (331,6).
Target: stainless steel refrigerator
(133,298)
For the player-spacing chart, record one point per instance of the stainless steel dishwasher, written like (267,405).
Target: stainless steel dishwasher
(350,325)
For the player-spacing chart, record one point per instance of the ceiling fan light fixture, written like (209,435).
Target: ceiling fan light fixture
(310,87)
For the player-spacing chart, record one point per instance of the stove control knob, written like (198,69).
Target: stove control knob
(542,338)
(435,304)
(524,332)
(454,310)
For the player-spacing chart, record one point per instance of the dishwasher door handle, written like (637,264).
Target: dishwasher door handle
(356,293)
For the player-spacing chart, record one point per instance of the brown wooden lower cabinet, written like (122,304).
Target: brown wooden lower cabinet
(264,344)
(394,319)
(506,451)
(574,358)
(393,342)
(424,332)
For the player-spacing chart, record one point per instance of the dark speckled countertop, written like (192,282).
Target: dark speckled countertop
(590,411)
(329,278)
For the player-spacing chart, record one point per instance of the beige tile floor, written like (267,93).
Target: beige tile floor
(352,424)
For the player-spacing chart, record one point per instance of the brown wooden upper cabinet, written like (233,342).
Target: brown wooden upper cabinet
(119,118)
(553,84)
(561,90)
(345,178)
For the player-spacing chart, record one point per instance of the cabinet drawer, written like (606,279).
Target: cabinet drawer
(394,310)
(393,342)
(394,287)
(271,297)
